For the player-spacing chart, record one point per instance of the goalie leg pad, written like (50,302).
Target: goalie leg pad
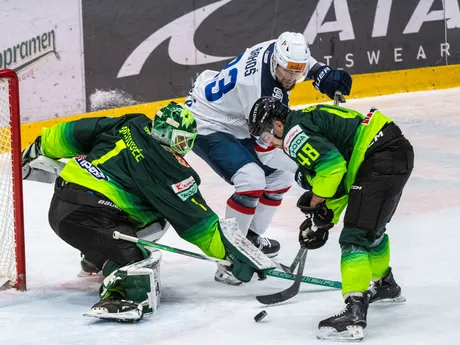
(130,292)
(235,237)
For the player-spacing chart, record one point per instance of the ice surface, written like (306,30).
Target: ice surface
(194,309)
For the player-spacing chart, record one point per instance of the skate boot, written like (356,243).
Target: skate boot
(349,324)
(113,307)
(385,290)
(87,267)
(225,276)
(267,246)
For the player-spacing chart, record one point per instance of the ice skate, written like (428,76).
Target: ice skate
(225,276)
(87,268)
(267,246)
(115,308)
(385,290)
(348,325)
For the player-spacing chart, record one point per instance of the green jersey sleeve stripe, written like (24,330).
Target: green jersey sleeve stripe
(58,141)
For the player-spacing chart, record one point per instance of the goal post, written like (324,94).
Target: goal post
(12,247)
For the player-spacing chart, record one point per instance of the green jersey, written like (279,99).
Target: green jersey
(119,158)
(328,144)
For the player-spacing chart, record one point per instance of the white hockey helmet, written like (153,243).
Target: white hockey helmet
(291,52)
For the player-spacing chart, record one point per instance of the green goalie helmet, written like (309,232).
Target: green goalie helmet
(175,127)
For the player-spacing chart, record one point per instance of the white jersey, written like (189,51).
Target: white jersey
(221,101)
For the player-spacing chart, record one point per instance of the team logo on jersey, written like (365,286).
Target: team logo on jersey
(294,140)
(278,93)
(186,188)
(90,168)
(181,160)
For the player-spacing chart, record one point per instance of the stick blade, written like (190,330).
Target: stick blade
(279,296)
(290,291)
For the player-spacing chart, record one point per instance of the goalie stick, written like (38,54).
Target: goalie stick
(119,236)
(290,291)
(272,273)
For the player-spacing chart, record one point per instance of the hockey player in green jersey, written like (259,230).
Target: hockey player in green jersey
(125,174)
(348,159)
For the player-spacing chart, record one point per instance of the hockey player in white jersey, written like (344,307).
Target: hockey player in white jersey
(221,102)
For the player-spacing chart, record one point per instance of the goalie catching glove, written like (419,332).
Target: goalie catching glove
(36,166)
(314,230)
(31,152)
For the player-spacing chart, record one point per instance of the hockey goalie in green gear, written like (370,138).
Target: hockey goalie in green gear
(129,174)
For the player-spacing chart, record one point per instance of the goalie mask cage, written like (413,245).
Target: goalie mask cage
(12,251)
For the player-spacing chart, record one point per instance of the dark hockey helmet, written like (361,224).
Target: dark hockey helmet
(175,127)
(263,112)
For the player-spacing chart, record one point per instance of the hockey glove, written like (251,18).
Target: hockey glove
(302,180)
(314,231)
(245,257)
(310,236)
(328,81)
(31,152)
(241,270)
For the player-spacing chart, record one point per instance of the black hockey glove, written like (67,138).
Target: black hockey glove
(302,180)
(328,81)
(314,231)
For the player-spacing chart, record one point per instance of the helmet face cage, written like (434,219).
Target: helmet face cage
(182,142)
(175,127)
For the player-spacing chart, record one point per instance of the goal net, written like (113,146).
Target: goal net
(12,253)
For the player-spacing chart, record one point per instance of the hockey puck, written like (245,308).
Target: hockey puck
(259,317)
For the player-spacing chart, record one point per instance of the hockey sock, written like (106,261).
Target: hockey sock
(242,206)
(265,210)
(356,269)
(379,256)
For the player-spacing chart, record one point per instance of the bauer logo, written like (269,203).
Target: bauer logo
(91,169)
(26,53)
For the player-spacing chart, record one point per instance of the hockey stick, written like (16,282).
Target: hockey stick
(273,273)
(305,279)
(338,98)
(290,291)
(294,264)
(119,236)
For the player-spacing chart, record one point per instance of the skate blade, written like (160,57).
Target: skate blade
(83,274)
(352,334)
(228,281)
(129,316)
(399,299)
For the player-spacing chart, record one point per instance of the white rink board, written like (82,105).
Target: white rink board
(49,31)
